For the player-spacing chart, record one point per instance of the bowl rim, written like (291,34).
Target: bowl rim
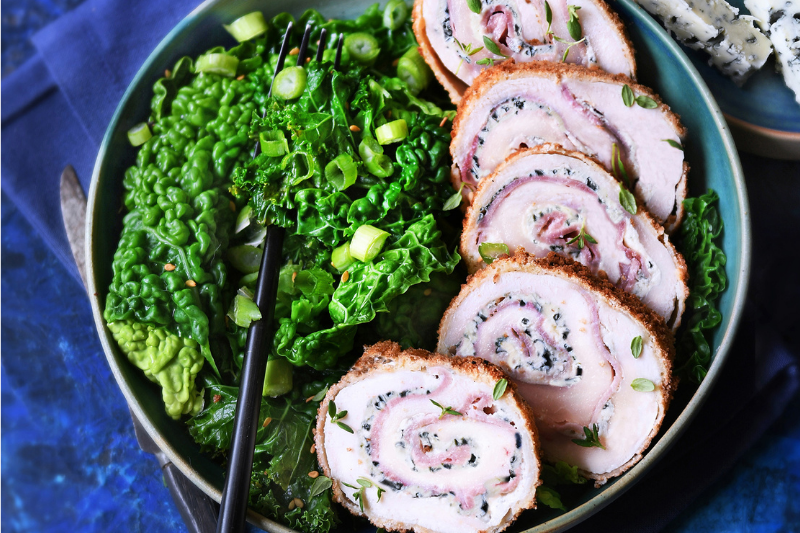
(574,515)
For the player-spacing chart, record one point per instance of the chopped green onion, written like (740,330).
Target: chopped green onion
(273,143)
(367,243)
(392,132)
(492,250)
(289,83)
(246,27)
(243,218)
(243,311)
(363,47)
(245,258)
(222,64)
(341,258)
(395,14)
(380,166)
(278,377)
(341,172)
(308,162)
(413,70)
(139,134)
(369,148)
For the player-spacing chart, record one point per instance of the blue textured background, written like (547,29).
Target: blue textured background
(70,461)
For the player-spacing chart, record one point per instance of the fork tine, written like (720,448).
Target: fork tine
(321,48)
(281,59)
(338,61)
(301,57)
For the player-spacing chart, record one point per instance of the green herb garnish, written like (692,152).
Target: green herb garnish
(592,438)
(320,395)
(549,497)
(320,485)
(627,200)
(636,347)
(467,49)
(337,416)
(455,200)
(673,144)
(446,410)
(627,96)
(643,385)
(617,167)
(474,5)
(499,389)
(582,238)
(364,484)
(492,47)
(574,24)
(646,102)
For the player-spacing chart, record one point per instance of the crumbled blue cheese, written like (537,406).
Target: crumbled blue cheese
(735,45)
(780,20)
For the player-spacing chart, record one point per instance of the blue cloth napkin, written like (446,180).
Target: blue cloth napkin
(55,110)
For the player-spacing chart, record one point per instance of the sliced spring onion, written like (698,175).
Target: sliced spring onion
(139,134)
(222,64)
(243,218)
(392,132)
(278,379)
(492,250)
(341,258)
(341,172)
(369,148)
(307,163)
(395,14)
(245,258)
(249,279)
(367,243)
(363,47)
(289,83)
(380,166)
(246,27)
(273,143)
(243,311)
(413,70)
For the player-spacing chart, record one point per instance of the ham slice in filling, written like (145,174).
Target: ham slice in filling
(518,106)
(566,340)
(448,32)
(541,199)
(469,463)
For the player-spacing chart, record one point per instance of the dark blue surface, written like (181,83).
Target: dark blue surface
(71,463)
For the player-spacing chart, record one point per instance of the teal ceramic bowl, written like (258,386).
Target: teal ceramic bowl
(709,150)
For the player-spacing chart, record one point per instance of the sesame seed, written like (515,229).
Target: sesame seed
(313,474)
(347,105)
(167,73)
(443,122)
(298,503)
(232,205)
(428,292)
(389,114)
(266,422)
(294,276)
(291,505)
(294,51)
(354,128)
(349,449)
(309,399)
(217,398)
(308,60)
(345,276)
(191,283)
(395,62)
(169,267)
(313,448)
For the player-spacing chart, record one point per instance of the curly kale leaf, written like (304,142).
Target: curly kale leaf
(171,361)
(405,261)
(282,457)
(705,260)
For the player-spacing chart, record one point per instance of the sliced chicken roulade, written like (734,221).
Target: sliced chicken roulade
(450,32)
(513,106)
(417,441)
(593,363)
(547,199)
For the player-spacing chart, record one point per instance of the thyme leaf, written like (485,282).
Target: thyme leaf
(646,102)
(643,385)
(492,46)
(499,389)
(582,238)
(627,200)
(674,144)
(446,410)
(574,24)
(636,347)
(454,200)
(627,95)
(592,438)
(474,5)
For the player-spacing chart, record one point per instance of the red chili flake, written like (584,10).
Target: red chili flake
(443,122)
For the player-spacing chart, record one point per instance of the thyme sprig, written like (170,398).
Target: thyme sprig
(582,238)
(336,417)
(573,27)
(468,49)
(360,493)
(592,438)
(446,410)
